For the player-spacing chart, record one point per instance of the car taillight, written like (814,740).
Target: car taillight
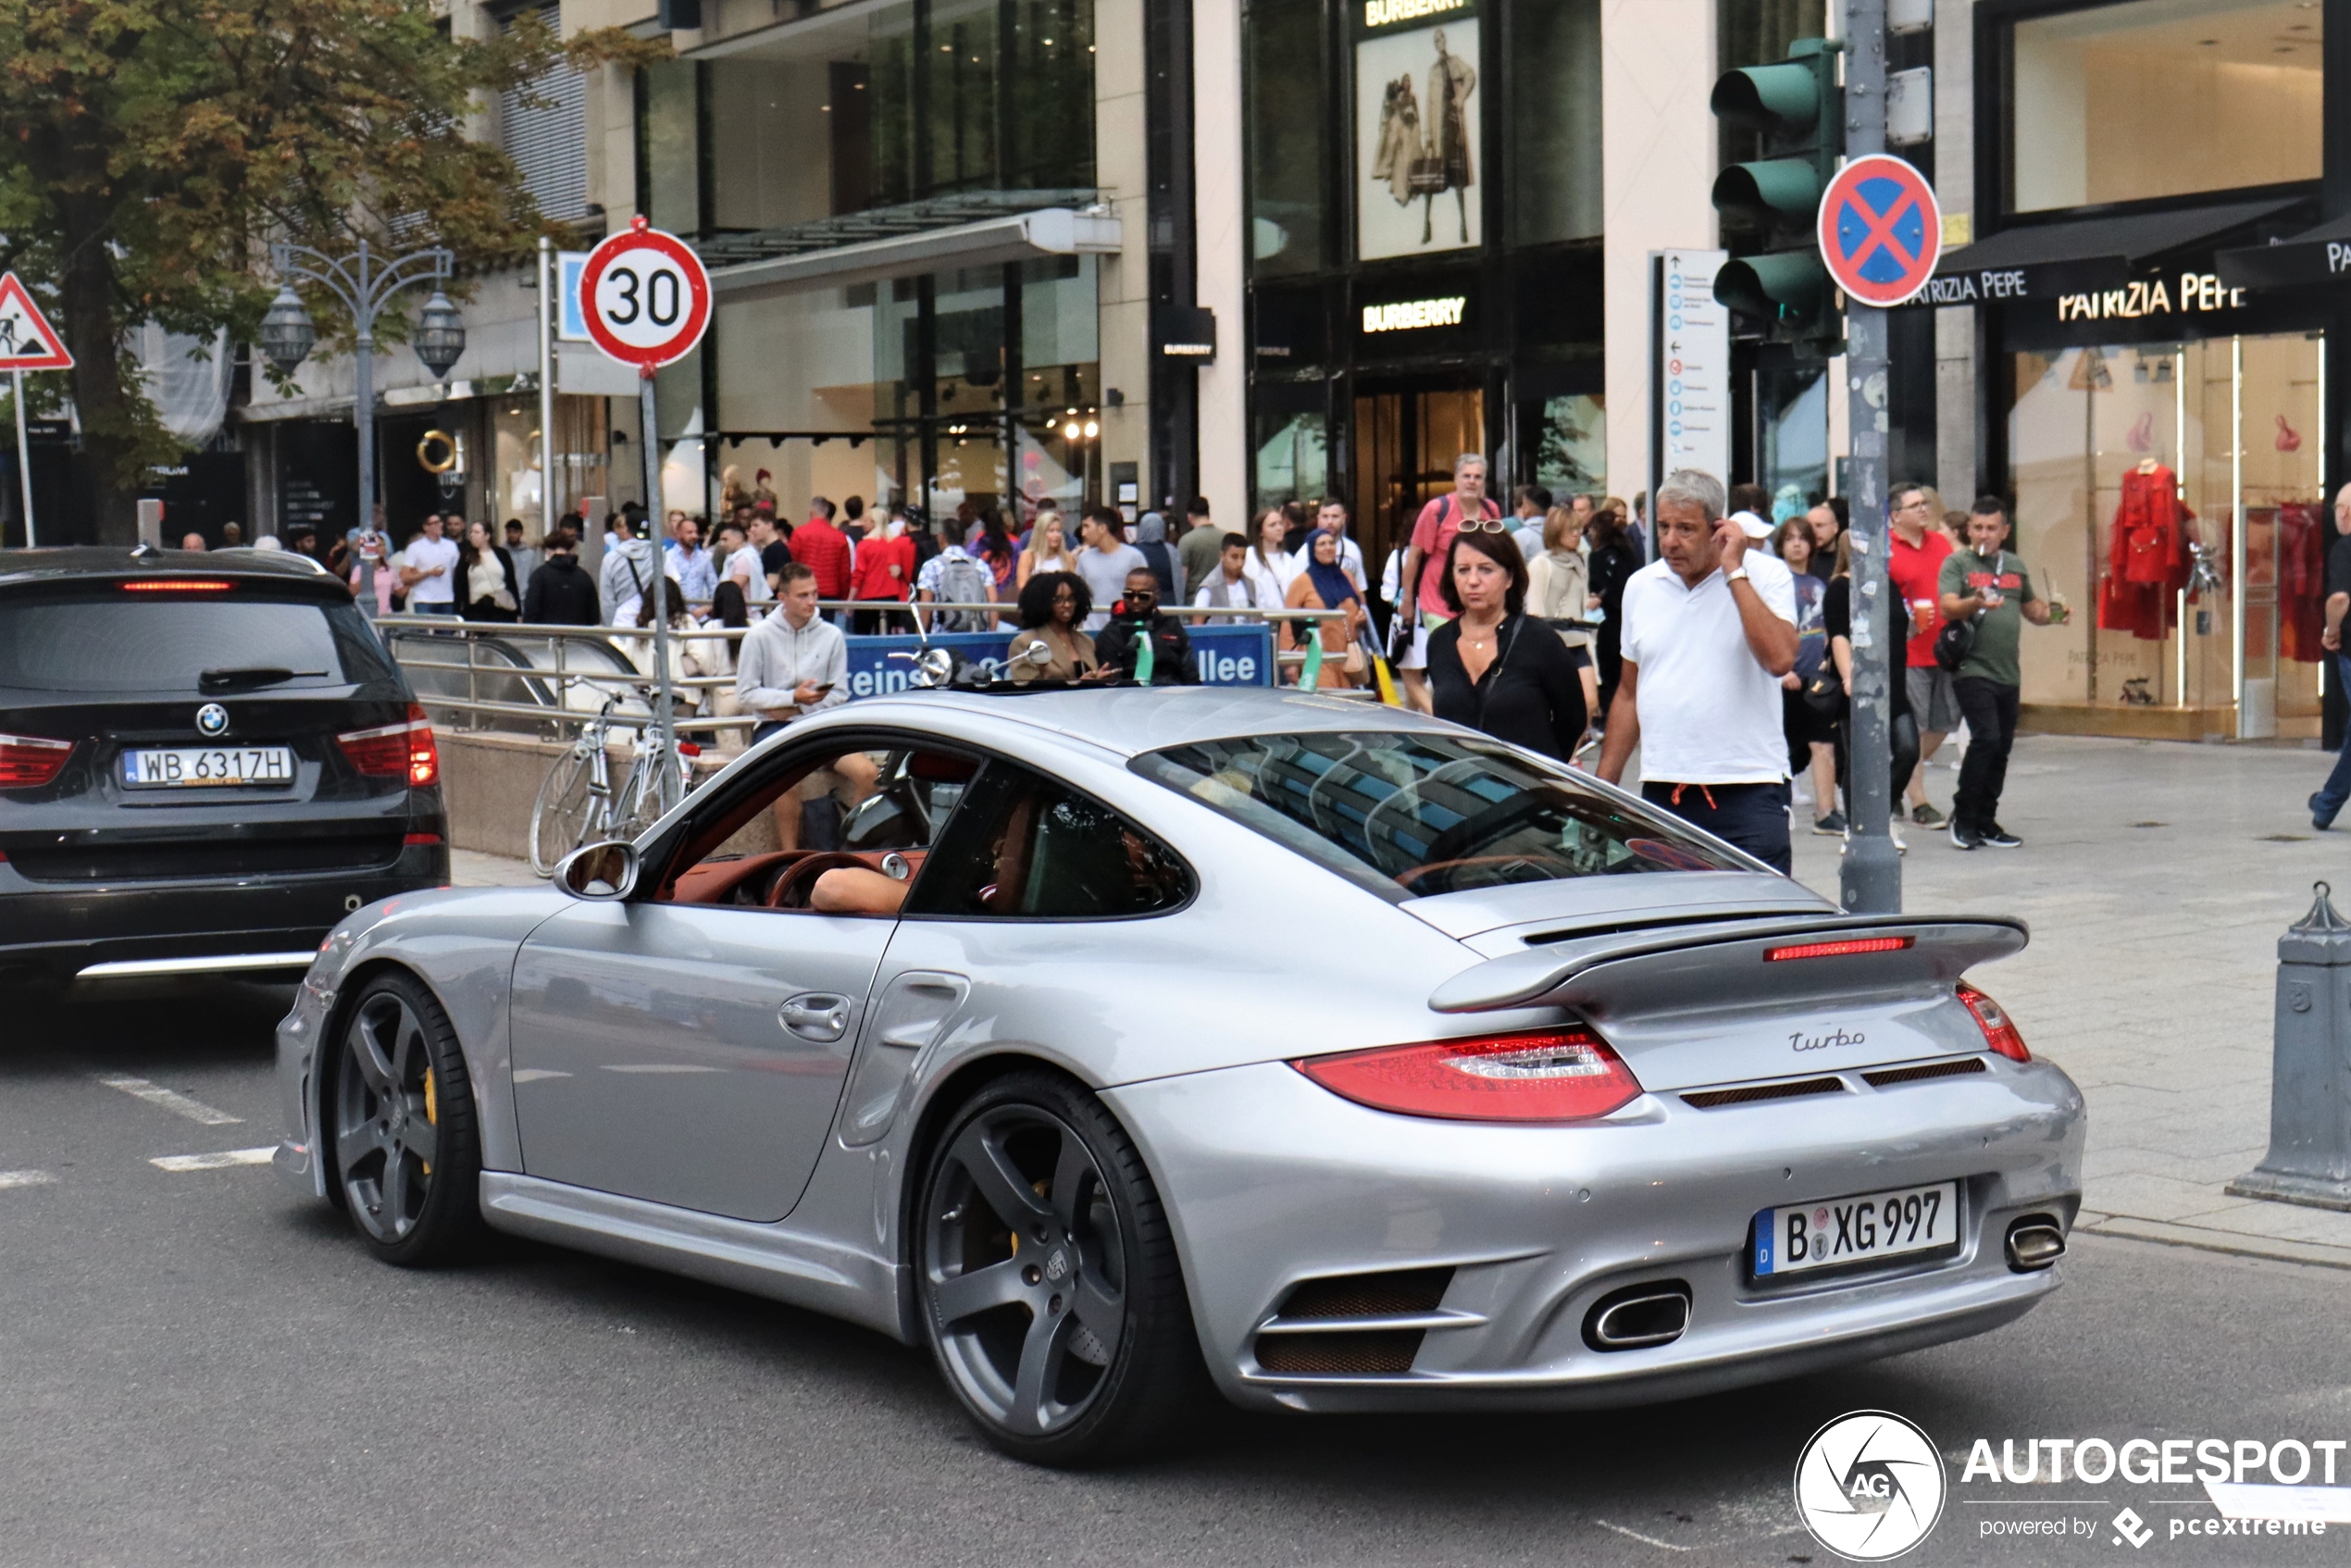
(178,585)
(27,762)
(1553,1076)
(1847,947)
(1999,1029)
(395,749)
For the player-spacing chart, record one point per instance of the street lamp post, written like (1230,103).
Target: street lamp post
(364,285)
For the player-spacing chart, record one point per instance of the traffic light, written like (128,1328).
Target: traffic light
(1800,108)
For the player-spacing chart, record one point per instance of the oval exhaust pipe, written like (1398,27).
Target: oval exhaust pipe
(2034,1243)
(1639,1318)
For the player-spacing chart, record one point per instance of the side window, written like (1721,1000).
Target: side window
(1025,846)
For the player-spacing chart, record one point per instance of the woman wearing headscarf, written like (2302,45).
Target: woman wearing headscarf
(1324,585)
(1150,538)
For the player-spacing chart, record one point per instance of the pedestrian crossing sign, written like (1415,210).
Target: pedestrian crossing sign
(26,341)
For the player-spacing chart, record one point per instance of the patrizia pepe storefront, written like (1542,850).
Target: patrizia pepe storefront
(2159,422)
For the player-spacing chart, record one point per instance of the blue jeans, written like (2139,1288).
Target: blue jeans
(435,609)
(2328,802)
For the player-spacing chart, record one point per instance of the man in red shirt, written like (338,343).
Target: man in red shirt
(821,547)
(884,570)
(1426,561)
(1920,547)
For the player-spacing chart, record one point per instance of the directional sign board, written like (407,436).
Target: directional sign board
(26,341)
(1881,231)
(645,296)
(571,322)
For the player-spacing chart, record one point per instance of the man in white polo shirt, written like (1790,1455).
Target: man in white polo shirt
(429,571)
(1709,629)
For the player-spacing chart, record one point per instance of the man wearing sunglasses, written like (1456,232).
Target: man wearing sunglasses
(1137,626)
(1464,506)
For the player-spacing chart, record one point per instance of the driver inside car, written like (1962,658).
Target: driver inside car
(851,889)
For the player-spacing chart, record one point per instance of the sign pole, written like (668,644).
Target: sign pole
(649,418)
(24,457)
(546,390)
(1870,879)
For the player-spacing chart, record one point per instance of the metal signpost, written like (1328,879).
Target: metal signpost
(27,342)
(547,311)
(1879,237)
(647,302)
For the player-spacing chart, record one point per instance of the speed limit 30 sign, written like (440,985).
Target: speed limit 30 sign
(645,296)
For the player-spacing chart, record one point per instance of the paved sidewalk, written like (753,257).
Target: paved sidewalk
(2158,877)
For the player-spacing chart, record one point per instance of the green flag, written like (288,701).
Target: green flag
(1310,673)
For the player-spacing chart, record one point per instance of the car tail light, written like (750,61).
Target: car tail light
(1844,948)
(416,840)
(395,749)
(1999,1029)
(27,762)
(178,585)
(1553,1076)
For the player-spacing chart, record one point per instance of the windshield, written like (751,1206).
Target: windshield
(1409,815)
(112,643)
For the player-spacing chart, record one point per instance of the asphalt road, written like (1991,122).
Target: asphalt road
(196,1367)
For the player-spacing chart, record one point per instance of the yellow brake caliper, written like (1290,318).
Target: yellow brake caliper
(433,1111)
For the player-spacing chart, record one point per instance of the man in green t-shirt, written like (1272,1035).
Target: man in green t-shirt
(1986,584)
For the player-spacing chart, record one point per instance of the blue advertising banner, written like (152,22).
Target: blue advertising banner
(1227,655)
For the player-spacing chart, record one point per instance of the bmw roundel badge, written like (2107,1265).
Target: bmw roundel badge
(213,719)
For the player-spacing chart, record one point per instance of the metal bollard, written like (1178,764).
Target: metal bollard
(2309,1158)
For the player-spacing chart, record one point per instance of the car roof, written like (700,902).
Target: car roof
(65,564)
(1130,720)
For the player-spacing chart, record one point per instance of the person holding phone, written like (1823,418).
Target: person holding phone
(1989,586)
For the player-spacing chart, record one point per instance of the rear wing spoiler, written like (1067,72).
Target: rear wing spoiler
(1735,961)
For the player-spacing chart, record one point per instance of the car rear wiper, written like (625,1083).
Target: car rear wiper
(258,674)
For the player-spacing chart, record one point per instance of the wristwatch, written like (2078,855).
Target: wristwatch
(1736,573)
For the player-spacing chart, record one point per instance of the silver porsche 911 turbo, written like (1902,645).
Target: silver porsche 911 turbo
(1087,1038)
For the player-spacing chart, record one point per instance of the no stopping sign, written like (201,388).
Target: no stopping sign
(645,296)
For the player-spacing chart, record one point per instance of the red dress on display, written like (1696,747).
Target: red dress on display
(2147,555)
(2302,574)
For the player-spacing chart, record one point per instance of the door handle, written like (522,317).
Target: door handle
(816,1014)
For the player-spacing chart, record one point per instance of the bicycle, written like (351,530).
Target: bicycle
(578,802)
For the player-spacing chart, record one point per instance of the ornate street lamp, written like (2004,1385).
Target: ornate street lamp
(365,287)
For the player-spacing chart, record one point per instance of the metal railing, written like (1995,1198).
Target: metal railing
(579,685)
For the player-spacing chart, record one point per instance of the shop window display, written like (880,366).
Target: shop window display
(2172,491)
(2163,98)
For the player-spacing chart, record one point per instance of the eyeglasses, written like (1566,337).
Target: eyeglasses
(1485,525)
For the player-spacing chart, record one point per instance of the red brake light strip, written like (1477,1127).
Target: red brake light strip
(178,585)
(1843,949)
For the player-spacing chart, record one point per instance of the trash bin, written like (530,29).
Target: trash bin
(2309,1158)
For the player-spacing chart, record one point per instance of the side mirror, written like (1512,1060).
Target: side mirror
(600,872)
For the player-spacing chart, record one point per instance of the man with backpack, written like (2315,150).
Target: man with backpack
(1427,561)
(1987,598)
(955,577)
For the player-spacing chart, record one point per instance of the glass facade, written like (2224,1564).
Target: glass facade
(2162,98)
(960,387)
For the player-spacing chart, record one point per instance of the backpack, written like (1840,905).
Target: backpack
(962,580)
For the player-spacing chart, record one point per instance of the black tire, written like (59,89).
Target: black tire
(1086,1255)
(398,1123)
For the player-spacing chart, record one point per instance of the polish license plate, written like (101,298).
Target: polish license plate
(1861,1228)
(208,767)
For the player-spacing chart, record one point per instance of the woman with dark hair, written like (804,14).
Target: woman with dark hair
(996,551)
(1053,606)
(487,590)
(1614,562)
(1493,667)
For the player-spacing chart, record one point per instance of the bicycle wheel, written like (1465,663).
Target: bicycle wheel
(560,818)
(653,787)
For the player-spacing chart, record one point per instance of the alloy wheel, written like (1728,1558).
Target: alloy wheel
(386,1131)
(1024,1269)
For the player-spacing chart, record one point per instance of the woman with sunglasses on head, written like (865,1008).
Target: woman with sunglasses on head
(1493,667)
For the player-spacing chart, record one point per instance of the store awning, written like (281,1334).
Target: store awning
(2315,255)
(2045,260)
(866,247)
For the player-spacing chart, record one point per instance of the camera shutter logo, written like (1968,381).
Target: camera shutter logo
(212,719)
(1870,1486)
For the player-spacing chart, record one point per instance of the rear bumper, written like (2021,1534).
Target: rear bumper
(62,930)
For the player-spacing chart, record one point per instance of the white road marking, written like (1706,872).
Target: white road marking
(1636,1535)
(221,1160)
(25,1179)
(170,1099)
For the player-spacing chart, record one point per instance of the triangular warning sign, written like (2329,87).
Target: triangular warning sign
(26,341)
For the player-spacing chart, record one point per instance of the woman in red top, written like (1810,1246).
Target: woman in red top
(884,570)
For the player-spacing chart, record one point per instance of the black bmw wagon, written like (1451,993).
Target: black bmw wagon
(206,761)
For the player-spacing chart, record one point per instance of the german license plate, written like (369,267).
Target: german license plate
(208,767)
(1862,1228)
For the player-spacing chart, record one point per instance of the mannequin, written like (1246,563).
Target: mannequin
(2147,553)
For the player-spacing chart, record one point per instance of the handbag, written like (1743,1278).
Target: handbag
(1957,640)
(1824,694)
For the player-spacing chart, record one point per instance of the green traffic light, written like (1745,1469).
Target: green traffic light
(1788,289)
(1782,97)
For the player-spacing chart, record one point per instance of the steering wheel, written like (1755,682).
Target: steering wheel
(793,888)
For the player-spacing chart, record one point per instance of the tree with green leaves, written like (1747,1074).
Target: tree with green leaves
(150,150)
